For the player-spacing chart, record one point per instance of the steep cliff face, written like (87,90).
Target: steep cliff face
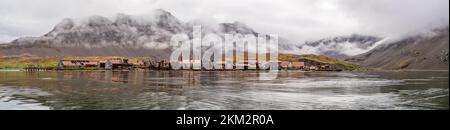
(417,52)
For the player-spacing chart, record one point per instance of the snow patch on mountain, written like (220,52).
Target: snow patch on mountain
(340,47)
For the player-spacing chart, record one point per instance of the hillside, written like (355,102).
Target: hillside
(20,62)
(123,35)
(413,53)
(23,61)
(342,47)
(321,59)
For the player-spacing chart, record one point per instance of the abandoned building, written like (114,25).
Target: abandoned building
(297,65)
(158,65)
(284,65)
(106,64)
(117,63)
(76,64)
(152,64)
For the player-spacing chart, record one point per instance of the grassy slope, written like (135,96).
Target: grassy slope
(44,62)
(22,62)
(321,59)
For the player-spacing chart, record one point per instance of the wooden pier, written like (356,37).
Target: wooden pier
(37,69)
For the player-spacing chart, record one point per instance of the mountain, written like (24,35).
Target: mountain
(123,35)
(340,47)
(99,36)
(423,52)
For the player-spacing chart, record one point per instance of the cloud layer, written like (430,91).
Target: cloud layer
(298,20)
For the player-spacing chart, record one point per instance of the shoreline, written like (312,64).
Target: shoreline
(408,70)
(145,70)
(10,70)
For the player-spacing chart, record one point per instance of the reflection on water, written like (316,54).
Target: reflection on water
(12,99)
(223,90)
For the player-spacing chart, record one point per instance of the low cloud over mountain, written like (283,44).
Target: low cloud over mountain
(123,35)
(340,47)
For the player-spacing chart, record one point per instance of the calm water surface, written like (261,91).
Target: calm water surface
(178,90)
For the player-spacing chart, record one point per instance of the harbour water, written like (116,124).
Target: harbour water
(228,90)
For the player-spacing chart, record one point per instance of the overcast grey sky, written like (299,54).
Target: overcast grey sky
(298,20)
